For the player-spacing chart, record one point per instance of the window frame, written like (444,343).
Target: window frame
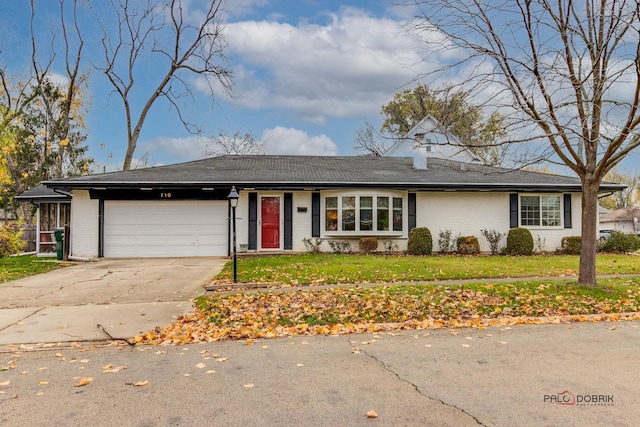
(537,217)
(371,207)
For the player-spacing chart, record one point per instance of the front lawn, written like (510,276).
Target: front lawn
(319,269)
(388,307)
(14,268)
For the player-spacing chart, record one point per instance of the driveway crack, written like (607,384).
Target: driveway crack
(415,386)
(23,319)
(97,279)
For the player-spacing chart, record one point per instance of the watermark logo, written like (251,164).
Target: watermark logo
(567,398)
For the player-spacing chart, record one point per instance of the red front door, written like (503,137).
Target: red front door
(270,210)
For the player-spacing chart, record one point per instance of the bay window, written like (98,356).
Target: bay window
(366,214)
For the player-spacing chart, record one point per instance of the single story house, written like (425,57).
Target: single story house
(426,179)
(183,209)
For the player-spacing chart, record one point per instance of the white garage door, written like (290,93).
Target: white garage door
(165,228)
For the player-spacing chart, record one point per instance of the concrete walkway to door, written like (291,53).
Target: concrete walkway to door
(110,298)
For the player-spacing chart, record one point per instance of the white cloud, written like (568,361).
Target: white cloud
(347,67)
(281,140)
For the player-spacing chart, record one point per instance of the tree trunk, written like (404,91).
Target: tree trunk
(587,275)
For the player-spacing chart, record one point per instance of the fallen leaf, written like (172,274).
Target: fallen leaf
(110,369)
(249,342)
(222,359)
(201,365)
(299,365)
(140,383)
(6,383)
(372,414)
(83,381)
(465,345)
(248,386)
(211,372)
(43,382)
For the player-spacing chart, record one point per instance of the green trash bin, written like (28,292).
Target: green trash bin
(59,234)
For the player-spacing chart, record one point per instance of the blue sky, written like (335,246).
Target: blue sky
(307,74)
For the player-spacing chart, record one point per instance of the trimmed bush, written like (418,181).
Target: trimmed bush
(368,244)
(468,245)
(11,242)
(519,242)
(420,242)
(620,242)
(571,245)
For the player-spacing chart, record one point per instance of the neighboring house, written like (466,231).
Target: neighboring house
(622,220)
(183,210)
(428,139)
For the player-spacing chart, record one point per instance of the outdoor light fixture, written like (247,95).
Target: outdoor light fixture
(233,201)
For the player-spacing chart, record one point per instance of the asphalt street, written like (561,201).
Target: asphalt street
(532,375)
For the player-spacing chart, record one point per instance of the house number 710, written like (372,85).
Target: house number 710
(165,195)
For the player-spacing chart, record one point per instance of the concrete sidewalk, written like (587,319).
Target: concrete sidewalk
(108,299)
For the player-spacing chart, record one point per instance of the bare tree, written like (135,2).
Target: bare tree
(567,72)
(238,143)
(176,43)
(369,142)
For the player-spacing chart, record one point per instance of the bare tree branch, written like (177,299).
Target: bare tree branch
(165,34)
(566,73)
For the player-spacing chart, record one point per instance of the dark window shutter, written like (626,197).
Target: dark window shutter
(288,221)
(567,211)
(315,214)
(412,211)
(253,221)
(513,210)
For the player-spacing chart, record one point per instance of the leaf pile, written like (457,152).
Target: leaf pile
(357,309)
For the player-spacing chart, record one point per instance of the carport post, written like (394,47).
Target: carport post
(233,200)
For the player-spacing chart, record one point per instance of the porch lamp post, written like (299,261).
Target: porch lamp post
(233,201)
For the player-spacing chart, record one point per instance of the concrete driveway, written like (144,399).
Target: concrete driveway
(110,298)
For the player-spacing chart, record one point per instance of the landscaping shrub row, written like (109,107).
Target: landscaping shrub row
(519,242)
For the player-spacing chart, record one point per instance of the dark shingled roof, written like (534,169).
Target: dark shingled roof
(41,192)
(297,172)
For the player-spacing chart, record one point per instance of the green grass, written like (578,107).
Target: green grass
(417,302)
(329,268)
(14,268)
